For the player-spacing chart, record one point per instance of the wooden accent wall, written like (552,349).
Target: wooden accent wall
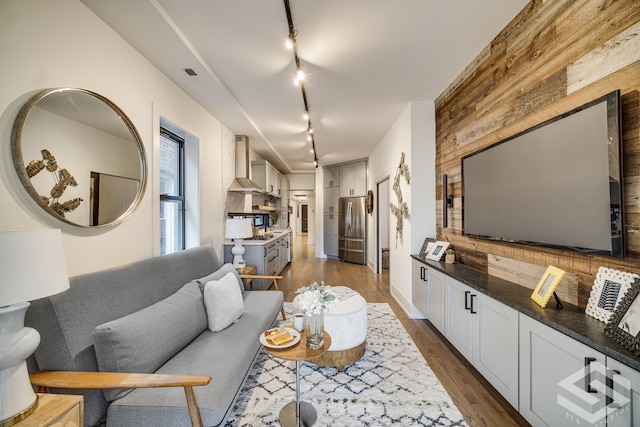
(554,56)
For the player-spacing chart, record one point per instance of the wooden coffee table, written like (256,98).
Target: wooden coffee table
(299,413)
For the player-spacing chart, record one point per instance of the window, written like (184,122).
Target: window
(172,201)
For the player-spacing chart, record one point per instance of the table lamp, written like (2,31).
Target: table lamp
(32,266)
(238,229)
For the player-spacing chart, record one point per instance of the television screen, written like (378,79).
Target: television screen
(558,184)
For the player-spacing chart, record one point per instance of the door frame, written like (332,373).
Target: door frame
(382,220)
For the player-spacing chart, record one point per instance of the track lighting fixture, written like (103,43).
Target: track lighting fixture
(291,44)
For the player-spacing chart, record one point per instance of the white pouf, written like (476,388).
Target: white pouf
(346,323)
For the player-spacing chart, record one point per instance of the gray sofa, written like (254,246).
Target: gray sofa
(162,299)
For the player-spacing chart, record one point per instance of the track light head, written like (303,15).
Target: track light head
(306,115)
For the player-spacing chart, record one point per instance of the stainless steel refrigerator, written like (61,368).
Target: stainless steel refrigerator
(352,230)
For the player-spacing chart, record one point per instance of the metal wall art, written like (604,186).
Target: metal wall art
(401,211)
(61,178)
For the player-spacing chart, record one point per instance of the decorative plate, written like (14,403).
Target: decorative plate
(369,201)
(296,339)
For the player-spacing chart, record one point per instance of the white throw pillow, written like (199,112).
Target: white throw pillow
(223,301)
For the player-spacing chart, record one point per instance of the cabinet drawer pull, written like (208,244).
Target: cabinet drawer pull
(609,399)
(473,310)
(466,300)
(422,273)
(587,375)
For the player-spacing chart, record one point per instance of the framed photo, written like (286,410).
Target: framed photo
(624,324)
(428,244)
(607,291)
(438,250)
(547,286)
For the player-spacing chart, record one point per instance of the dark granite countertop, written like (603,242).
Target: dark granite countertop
(571,320)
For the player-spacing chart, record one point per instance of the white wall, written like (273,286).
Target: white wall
(414,134)
(60,43)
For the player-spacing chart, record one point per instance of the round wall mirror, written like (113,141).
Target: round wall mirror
(79,157)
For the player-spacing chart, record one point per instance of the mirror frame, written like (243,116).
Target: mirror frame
(18,160)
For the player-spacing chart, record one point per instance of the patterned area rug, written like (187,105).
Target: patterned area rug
(391,385)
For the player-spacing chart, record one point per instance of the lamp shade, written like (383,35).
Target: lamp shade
(238,228)
(32,264)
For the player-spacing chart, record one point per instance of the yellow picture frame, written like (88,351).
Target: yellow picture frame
(547,286)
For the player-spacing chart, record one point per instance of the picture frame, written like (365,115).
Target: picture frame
(437,251)
(427,246)
(609,287)
(547,285)
(624,324)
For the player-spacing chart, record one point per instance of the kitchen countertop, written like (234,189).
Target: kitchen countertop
(571,320)
(249,242)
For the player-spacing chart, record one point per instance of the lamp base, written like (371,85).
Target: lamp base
(238,250)
(17,398)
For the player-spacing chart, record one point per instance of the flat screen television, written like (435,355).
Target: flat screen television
(558,184)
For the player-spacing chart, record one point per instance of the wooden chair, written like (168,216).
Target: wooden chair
(107,380)
(274,285)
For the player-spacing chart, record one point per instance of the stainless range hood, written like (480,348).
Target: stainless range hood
(242,183)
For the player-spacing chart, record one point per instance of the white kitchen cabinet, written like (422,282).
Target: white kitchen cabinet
(485,331)
(551,378)
(458,322)
(331,200)
(268,177)
(332,176)
(428,293)
(554,369)
(331,234)
(495,345)
(420,287)
(353,179)
(436,301)
(331,215)
(624,415)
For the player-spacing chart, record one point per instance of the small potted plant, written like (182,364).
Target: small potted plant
(450,256)
(275,217)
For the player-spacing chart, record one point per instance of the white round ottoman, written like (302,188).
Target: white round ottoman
(346,323)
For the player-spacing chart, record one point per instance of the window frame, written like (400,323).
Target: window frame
(180,197)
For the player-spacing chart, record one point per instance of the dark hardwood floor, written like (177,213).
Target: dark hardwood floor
(477,400)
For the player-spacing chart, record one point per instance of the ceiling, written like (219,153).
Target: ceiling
(364,61)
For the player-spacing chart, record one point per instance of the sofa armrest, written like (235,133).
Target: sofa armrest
(107,380)
(258,276)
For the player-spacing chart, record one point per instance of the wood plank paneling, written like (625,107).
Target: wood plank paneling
(553,57)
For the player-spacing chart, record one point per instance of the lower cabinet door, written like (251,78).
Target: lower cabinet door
(625,395)
(495,345)
(560,378)
(459,320)
(420,286)
(436,301)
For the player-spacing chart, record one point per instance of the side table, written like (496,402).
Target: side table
(248,270)
(299,413)
(59,410)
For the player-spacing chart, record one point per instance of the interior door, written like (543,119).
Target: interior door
(305,218)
